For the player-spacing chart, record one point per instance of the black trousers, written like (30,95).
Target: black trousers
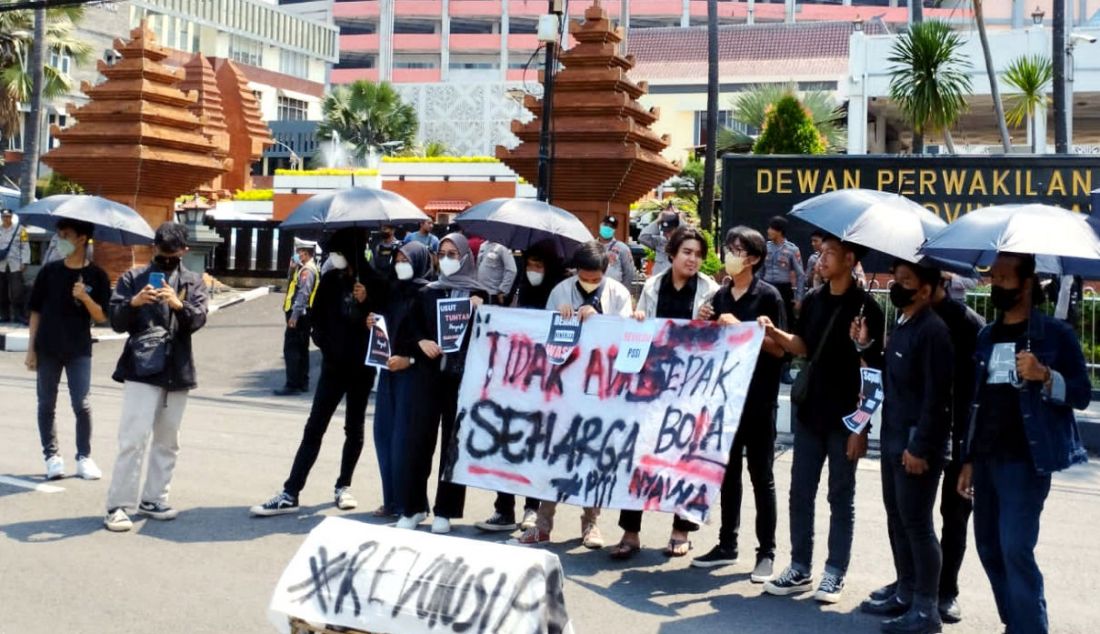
(955,511)
(505,504)
(786,291)
(909,500)
(434,412)
(296,354)
(352,382)
(755,443)
(12,304)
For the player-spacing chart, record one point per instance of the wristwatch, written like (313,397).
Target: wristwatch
(412,361)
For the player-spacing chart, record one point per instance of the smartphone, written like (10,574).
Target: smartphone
(156,280)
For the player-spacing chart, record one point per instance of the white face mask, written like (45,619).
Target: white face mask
(589,287)
(65,248)
(338,261)
(449,267)
(404,270)
(735,264)
(535,277)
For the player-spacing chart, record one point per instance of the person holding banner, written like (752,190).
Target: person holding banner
(412,264)
(745,298)
(340,330)
(681,292)
(589,292)
(827,390)
(916,427)
(439,319)
(543,270)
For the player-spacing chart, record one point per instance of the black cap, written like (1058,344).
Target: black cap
(611,221)
(670,220)
(5,212)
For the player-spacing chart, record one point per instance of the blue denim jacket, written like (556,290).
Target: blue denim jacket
(1049,423)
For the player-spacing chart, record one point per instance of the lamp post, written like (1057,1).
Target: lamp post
(192,214)
(1037,16)
(549,30)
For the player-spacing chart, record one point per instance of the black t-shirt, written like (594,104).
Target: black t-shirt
(761,298)
(999,431)
(676,304)
(63,327)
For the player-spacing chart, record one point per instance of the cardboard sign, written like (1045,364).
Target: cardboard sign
(586,434)
(562,337)
(452,317)
(634,350)
(387,581)
(871,399)
(378,348)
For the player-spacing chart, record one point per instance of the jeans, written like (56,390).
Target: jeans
(11,295)
(909,501)
(955,510)
(757,446)
(434,414)
(392,417)
(147,410)
(296,354)
(78,371)
(811,449)
(353,382)
(505,504)
(1008,502)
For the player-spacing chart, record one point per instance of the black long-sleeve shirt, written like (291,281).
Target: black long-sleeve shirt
(835,382)
(918,379)
(964,325)
(340,322)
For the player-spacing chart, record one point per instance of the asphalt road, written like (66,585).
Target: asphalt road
(214,568)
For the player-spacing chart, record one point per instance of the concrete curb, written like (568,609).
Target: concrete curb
(17,341)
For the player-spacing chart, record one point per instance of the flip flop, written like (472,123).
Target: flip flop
(623,551)
(674,547)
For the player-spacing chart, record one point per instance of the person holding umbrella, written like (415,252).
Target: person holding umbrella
(1031,375)
(68,295)
(433,414)
(340,331)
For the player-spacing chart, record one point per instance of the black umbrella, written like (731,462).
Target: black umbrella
(114,222)
(363,207)
(519,223)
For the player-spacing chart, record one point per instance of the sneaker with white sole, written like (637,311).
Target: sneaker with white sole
(55,467)
(764,570)
(591,537)
(117,521)
(718,556)
(789,582)
(281,504)
(497,523)
(531,537)
(410,522)
(441,525)
(530,518)
(344,500)
(830,588)
(158,511)
(87,469)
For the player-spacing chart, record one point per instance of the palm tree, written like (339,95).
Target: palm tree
(16,42)
(929,82)
(994,90)
(1030,75)
(750,109)
(367,115)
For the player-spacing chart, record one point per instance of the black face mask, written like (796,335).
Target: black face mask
(167,263)
(1005,299)
(902,297)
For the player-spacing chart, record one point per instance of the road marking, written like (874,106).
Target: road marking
(28,484)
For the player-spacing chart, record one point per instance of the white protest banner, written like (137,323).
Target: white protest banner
(585,434)
(388,581)
(378,347)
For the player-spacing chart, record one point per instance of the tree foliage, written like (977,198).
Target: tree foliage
(1030,75)
(750,108)
(929,80)
(366,115)
(789,129)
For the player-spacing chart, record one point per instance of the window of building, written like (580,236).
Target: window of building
(725,120)
(61,62)
(474,27)
(246,51)
(405,64)
(295,64)
(292,109)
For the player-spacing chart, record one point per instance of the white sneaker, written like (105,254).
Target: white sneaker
(529,519)
(117,521)
(55,467)
(344,499)
(410,522)
(87,468)
(441,525)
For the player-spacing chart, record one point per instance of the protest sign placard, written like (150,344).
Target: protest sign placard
(563,337)
(586,434)
(872,394)
(637,337)
(452,317)
(383,580)
(378,348)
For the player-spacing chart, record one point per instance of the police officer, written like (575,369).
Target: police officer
(299,301)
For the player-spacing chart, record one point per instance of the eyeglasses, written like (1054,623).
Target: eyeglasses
(449,255)
(736,251)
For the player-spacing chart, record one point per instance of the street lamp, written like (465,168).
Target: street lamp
(857,24)
(193,212)
(549,32)
(1037,16)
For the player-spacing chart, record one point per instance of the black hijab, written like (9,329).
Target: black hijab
(529,296)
